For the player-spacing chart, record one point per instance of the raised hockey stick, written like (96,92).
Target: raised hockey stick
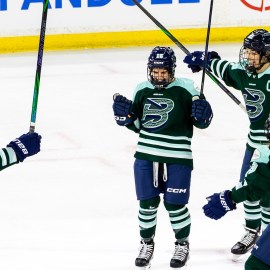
(206,47)
(39,65)
(186,51)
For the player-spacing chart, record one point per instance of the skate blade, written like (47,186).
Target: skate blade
(144,267)
(179,268)
(238,257)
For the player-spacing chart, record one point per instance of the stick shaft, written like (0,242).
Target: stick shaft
(39,65)
(206,46)
(186,51)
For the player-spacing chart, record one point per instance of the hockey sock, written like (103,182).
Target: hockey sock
(265,217)
(252,214)
(180,220)
(148,217)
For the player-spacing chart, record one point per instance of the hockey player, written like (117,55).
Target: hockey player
(251,76)
(163,111)
(255,187)
(260,254)
(19,149)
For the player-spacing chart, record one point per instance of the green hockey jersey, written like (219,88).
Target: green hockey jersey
(257,181)
(164,121)
(255,89)
(7,158)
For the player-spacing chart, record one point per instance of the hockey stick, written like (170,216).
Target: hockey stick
(186,51)
(206,47)
(39,65)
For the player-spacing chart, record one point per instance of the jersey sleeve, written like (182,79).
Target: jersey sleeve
(7,158)
(256,184)
(135,126)
(227,71)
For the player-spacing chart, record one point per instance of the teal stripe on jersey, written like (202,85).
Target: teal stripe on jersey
(165,136)
(178,142)
(12,155)
(261,131)
(224,68)
(163,153)
(164,144)
(256,138)
(7,157)
(218,67)
(156,147)
(3,158)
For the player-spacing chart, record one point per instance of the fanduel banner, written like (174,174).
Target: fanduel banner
(22,17)
(89,3)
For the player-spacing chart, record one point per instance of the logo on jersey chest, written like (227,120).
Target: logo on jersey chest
(156,112)
(254,100)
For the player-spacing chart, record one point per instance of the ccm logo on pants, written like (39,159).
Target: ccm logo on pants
(176,190)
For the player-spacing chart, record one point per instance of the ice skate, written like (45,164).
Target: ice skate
(245,244)
(180,256)
(143,261)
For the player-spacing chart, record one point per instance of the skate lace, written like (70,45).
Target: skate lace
(248,238)
(180,252)
(146,250)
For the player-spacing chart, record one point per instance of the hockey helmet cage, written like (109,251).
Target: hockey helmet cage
(259,41)
(161,57)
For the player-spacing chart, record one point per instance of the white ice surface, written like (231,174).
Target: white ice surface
(73,206)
